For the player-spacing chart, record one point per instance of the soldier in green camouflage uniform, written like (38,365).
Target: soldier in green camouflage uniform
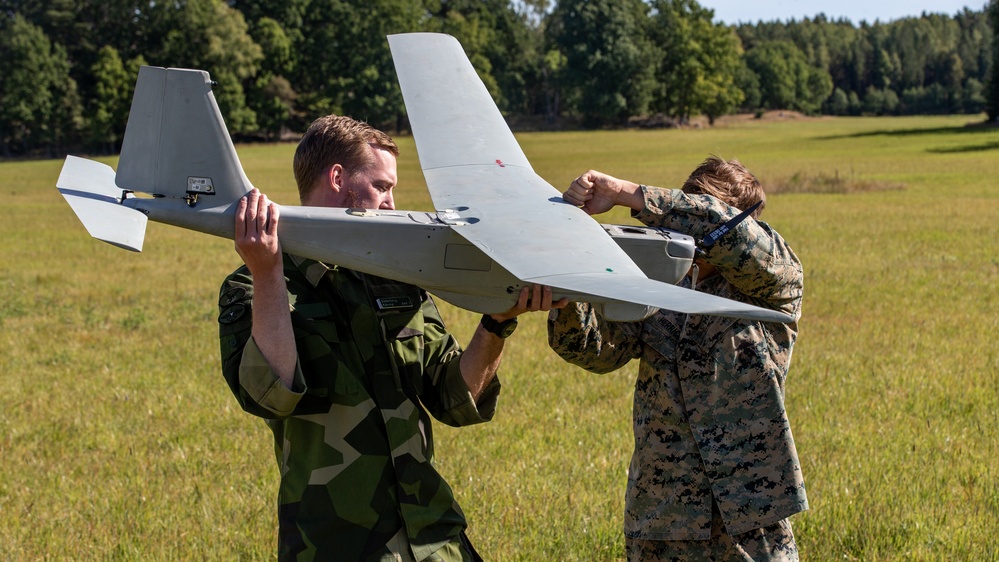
(345,367)
(714,474)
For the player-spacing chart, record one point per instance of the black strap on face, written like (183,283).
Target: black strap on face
(724,229)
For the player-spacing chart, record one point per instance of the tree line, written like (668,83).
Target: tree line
(68,67)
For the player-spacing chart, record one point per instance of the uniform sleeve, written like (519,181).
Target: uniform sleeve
(261,386)
(255,385)
(752,257)
(446,396)
(579,335)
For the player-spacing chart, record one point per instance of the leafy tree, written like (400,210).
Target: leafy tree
(500,43)
(288,14)
(747,82)
(83,27)
(786,79)
(817,87)
(906,55)
(854,102)
(271,93)
(938,99)
(856,62)
(910,37)
(973,97)
(344,62)
(276,46)
(280,63)
(950,70)
(883,70)
(273,100)
(913,100)
(778,64)
(39,104)
(880,102)
(223,48)
(552,70)
(109,106)
(108,109)
(697,61)
(973,42)
(838,103)
(540,64)
(608,71)
(471,23)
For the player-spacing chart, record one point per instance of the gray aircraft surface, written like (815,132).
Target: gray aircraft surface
(498,225)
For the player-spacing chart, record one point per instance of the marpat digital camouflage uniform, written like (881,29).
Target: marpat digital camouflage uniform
(352,437)
(709,418)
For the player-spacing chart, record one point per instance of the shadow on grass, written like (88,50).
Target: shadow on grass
(979,127)
(802,182)
(967,148)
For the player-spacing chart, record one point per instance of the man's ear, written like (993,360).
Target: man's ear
(335,177)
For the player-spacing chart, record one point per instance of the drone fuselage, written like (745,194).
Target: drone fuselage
(415,247)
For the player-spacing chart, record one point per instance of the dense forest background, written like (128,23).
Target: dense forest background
(67,67)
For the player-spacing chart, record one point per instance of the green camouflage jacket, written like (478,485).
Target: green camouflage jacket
(352,437)
(709,418)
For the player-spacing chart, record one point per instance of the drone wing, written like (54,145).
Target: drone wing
(480,178)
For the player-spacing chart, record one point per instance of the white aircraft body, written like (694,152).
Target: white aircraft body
(498,225)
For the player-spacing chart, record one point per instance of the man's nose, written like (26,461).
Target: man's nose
(388,202)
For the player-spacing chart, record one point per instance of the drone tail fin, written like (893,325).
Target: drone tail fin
(89,188)
(176,149)
(176,143)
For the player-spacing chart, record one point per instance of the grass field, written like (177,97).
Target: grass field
(120,441)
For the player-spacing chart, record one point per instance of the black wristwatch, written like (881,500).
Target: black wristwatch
(502,330)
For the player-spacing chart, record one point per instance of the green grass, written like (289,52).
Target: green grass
(120,441)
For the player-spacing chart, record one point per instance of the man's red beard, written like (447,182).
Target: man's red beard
(353,201)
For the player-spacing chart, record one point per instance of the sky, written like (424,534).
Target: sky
(751,11)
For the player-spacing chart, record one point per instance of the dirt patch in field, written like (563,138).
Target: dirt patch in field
(773,115)
(800,182)
(700,121)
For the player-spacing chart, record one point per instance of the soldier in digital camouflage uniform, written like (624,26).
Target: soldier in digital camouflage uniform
(714,474)
(344,367)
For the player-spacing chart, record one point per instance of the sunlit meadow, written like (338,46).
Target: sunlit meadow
(120,441)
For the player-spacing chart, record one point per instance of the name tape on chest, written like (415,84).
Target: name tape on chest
(394,303)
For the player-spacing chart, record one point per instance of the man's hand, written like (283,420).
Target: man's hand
(256,233)
(597,193)
(257,243)
(482,357)
(537,298)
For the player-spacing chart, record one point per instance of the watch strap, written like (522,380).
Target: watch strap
(499,329)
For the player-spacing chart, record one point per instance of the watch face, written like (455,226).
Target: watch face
(507,328)
(500,329)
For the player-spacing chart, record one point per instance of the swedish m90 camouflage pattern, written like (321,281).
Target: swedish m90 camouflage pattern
(709,418)
(352,440)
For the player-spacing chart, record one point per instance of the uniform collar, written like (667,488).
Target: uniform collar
(314,271)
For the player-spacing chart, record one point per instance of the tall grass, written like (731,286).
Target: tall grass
(120,441)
